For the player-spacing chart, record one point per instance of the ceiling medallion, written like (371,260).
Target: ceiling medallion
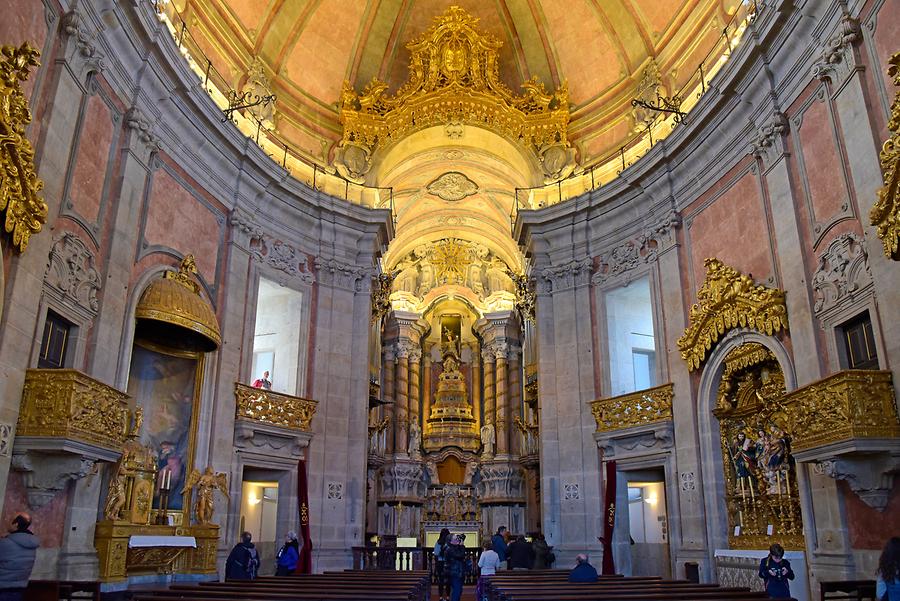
(455,79)
(452,186)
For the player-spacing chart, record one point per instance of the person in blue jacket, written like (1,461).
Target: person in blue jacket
(288,556)
(887,587)
(583,570)
(776,571)
(498,542)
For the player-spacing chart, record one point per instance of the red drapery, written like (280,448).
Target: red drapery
(304,566)
(609,518)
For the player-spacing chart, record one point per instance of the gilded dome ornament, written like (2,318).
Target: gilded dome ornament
(173,313)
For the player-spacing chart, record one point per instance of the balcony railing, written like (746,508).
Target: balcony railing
(65,403)
(634,409)
(273,408)
(852,404)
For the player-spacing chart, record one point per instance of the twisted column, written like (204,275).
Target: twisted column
(426,389)
(515,398)
(502,421)
(476,390)
(490,398)
(401,400)
(415,361)
(389,394)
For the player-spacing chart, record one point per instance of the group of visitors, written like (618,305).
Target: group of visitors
(450,564)
(243,561)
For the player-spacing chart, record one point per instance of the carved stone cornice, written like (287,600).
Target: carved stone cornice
(501,483)
(332,272)
(140,125)
(842,275)
(243,222)
(70,275)
(728,300)
(76,29)
(837,60)
(402,481)
(885,214)
(566,276)
(641,249)
(768,143)
(283,257)
(637,440)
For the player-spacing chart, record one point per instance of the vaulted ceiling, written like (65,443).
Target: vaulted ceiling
(310,47)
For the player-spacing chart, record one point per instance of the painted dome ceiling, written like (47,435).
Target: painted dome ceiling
(601,48)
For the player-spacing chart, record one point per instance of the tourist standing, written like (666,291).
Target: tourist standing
(243,561)
(487,565)
(17,552)
(288,556)
(264,382)
(520,554)
(776,571)
(455,556)
(498,542)
(887,587)
(440,563)
(541,552)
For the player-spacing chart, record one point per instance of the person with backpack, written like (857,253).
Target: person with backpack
(776,572)
(243,561)
(440,564)
(288,556)
(457,565)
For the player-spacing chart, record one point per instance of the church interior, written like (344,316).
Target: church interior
(624,274)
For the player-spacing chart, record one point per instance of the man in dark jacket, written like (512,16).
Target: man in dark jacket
(498,543)
(243,561)
(583,571)
(17,553)
(520,554)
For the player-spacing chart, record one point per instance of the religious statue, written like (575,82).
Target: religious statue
(407,277)
(415,439)
(471,468)
(744,461)
(115,496)
(487,439)
(207,483)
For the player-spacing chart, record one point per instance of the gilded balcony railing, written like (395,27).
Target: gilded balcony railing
(634,409)
(274,408)
(65,403)
(851,404)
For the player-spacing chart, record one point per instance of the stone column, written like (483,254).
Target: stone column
(502,407)
(401,400)
(515,398)
(426,387)
(476,388)
(389,394)
(415,362)
(490,400)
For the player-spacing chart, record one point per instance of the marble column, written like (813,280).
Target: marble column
(389,394)
(401,401)
(502,406)
(490,400)
(426,387)
(415,362)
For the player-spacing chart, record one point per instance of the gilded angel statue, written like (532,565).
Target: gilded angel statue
(115,497)
(207,483)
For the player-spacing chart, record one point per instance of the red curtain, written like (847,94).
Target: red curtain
(609,519)
(304,566)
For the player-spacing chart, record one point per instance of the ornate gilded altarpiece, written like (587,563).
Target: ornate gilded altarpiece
(761,491)
(885,215)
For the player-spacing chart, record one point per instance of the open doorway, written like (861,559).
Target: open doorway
(648,523)
(259,517)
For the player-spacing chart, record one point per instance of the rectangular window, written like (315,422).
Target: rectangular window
(859,343)
(632,345)
(276,341)
(55,342)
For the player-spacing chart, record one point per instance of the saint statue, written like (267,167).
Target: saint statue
(471,468)
(487,439)
(115,496)
(415,439)
(431,470)
(207,483)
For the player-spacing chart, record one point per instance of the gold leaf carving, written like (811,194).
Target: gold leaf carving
(885,215)
(274,408)
(634,409)
(727,300)
(454,77)
(20,199)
